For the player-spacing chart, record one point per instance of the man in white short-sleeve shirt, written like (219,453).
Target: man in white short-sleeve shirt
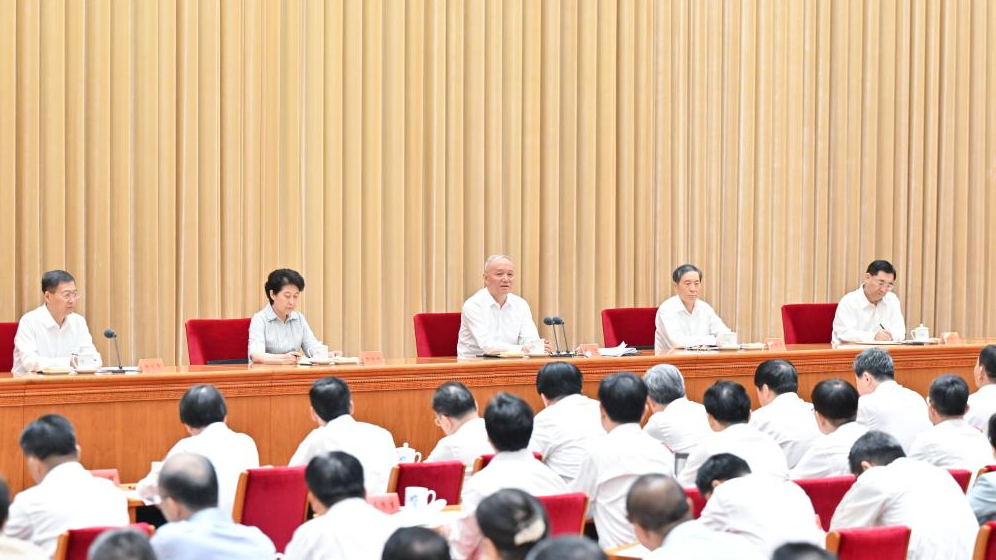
(982,403)
(684,320)
(836,407)
(951,443)
(676,421)
(872,312)
(783,415)
(884,404)
(466,437)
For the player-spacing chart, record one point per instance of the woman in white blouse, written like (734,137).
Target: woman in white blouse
(277,333)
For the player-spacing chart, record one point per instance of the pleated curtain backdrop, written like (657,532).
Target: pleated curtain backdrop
(170,153)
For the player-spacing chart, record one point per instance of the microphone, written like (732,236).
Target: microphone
(549,321)
(566,353)
(109,333)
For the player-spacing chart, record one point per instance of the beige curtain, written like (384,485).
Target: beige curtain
(170,153)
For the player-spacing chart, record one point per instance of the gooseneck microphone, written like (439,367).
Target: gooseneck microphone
(566,352)
(109,333)
(550,322)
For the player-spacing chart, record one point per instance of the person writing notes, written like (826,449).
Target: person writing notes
(872,312)
(277,333)
(684,320)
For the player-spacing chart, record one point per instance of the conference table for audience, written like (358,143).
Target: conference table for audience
(127,421)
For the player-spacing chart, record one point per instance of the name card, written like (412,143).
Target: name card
(775,344)
(950,338)
(589,350)
(150,365)
(372,358)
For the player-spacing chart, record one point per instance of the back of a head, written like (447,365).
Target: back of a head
(190,480)
(453,399)
(567,547)
(121,544)
(49,436)
(949,395)
(4,501)
(779,375)
(876,362)
(836,400)
(802,551)
(664,384)
(623,396)
(987,359)
(201,406)
(509,422)
(335,476)
(655,501)
(416,543)
(559,379)
(876,447)
(722,467)
(992,431)
(330,398)
(727,402)
(881,265)
(513,521)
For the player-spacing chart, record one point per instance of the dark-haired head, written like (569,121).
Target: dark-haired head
(416,543)
(987,362)
(50,440)
(513,522)
(727,402)
(201,406)
(948,397)
(50,280)
(991,433)
(567,547)
(453,399)
(330,398)
(874,449)
(836,401)
(718,469)
(4,501)
(509,422)
(623,397)
(778,375)
(121,544)
(802,551)
(280,278)
(880,265)
(558,379)
(334,476)
(684,269)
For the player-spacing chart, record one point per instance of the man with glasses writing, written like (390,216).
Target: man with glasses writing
(872,312)
(48,336)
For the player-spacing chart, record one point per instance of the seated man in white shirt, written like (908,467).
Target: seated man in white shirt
(728,410)
(783,415)
(563,430)
(203,413)
(894,490)
(49,336)
(872,312)
(456,414)
(345,526)
(332,410)
(836,404)
(564,547)
(951,443)
(982,403)
(65,495)
(511,523)
(494,319)
(768,511)
(684,320)
(675,421)
(11,548)
(884,404)
(982,494)
(619,457)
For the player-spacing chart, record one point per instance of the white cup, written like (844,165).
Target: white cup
(419,497)
(408,455)
(921,333)
(727,340)
(320,353)
(85,358)
(537,347)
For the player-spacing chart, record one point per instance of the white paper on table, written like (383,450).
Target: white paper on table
(618,351)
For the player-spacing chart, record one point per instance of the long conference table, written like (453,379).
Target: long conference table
(128,421)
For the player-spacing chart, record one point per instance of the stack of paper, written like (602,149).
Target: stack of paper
(621,350)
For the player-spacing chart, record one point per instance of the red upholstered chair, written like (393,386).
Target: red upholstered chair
(826,493)
(483,461)
(985,543)
(445,477)
(436,334)
(870,543)
(214,341)
(962,477)
(109,474)
(698,502)
(632,325)
(75,543)
(566,512)
(275,499)
(808,323)
(7,332)
(387,503)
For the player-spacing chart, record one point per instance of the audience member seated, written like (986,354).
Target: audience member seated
(661,514)
(10,548)
(616,459)
(203,413)
(982,403)
(346,526)
(802,551)
(416,543)
(568,421)
(456,413)
(65,495)
(566,547)
(197,528)
(783,415)
(728,410)
(982,494)
(768,511)
(509,422)
(121,544)
(836,407)
(373,446)
(951,443)
(894,490)
(512,522)
(675,421)
(884,404)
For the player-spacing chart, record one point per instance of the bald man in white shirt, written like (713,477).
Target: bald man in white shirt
(982,403)
(951,443)
(884,404)
(684,320)
(675,421)
(872,312)
(836,409)
(783,415)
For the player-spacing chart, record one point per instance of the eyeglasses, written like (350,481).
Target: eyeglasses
(883,284)
(71,296)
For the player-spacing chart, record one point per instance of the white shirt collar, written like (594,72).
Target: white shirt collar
(68,469)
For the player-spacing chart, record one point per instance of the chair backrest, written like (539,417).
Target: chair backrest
(387,503)
(109,474)
(985,544)
(483,460)
(566,512)
(7,332)
(698,502)
(962,477)
(217,340)
(74,544)
(436,334)
(445,477)
(632,325)
(985,470)
(275,499)
(826,493)
(870,543)
(808,323)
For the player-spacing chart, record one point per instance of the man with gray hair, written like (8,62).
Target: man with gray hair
(675,421)
(494,319)
(121,544)
(884,404)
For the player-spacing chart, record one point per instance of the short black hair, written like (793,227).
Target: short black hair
(335,476)
(201,406)
(655,501)
(802,551)
(880,265)
(330,398)
(282,277)
(836,400)
(514,521)
(567,547)
(683,270)
(50,280)
(722,467)
(416,543)
(559,379)
(877,362)
(4,501)
(623,396)
(779,375)
(121,544)
(191,480)
(992,431)
(727,402)
(453,399)
(949,395)
(51,435)
(509,422)
(987,359)
(876,447)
